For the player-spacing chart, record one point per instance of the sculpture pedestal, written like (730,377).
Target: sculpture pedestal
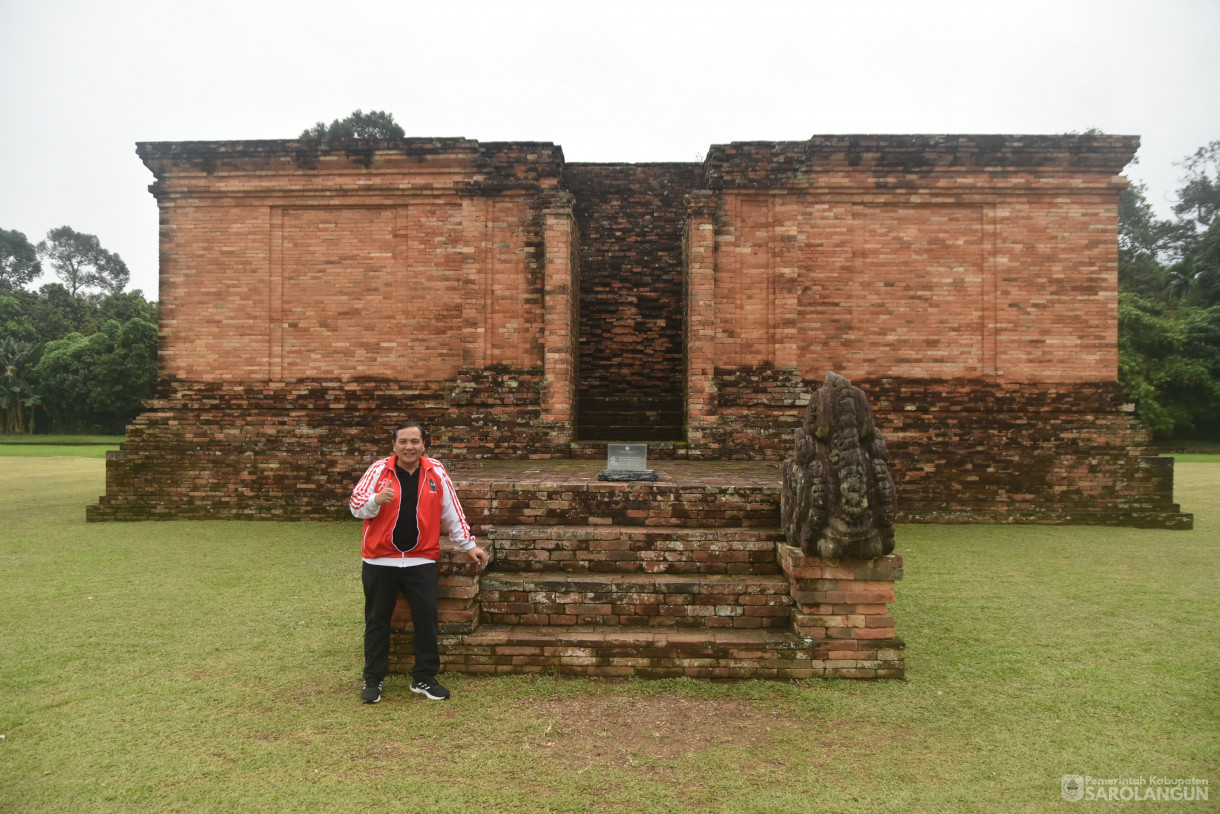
(841,606)
(627,475)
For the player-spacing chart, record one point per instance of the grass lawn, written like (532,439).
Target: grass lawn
(214,666)
(54,450)
(46,440)
(60,446)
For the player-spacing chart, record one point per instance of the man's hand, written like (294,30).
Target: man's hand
(478,555)
(384,496)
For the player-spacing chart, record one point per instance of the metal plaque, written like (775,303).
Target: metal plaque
(626,457)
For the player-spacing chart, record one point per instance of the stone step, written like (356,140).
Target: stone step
(651,652)
(591,502)
(554,598)
(817,618)
(635,549)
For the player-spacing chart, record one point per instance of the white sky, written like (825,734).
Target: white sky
(81,82)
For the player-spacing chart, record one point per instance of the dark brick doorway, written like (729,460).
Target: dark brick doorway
(630,216)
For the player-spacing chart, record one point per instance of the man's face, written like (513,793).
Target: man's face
(408,446)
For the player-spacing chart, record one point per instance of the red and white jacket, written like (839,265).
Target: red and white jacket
(438,507)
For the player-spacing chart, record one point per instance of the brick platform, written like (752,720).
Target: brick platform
(973,453)
(746,494)
(575,590)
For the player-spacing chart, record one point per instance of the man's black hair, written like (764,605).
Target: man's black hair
(423,433)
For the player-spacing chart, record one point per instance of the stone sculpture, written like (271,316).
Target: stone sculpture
(838,498)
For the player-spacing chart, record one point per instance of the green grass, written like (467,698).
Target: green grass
(57,446)
(214,666)
(53,451)
(79,440)
(1169,446)
(1196,458)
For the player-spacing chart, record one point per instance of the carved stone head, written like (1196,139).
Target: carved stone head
(838,498)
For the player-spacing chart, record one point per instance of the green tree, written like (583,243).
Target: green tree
(55,312)
(127,305)
(1169,365)
(1141,238)
(18,387)
(1206,275)
(14,322)
(80,261)
(99,382)
(1199,195)
(18,260)
(375,124)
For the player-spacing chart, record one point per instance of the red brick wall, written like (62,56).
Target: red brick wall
(280,264)
(307,294)
(877,273)
(215,295)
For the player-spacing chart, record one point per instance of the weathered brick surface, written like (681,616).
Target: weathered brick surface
(974,455)
(310,294)
(977,451)
(659,505)
(294,450)
(660,600)
(630,219)
(803,617)
(561,299)
(663,653)
(634,550)
(280,262)
(915,257)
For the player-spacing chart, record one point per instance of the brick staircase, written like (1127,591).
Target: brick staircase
(657,580)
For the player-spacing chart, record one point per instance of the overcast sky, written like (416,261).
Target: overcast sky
(82,82)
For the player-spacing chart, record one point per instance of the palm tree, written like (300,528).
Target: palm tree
(17,386)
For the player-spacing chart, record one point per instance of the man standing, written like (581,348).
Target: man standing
(404,501)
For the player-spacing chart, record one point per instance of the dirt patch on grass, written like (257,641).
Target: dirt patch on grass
(682,744)
(657,727)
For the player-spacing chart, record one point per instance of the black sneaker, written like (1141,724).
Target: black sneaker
(371,693)
(430,688)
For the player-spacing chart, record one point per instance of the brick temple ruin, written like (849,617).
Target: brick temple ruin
(529,310)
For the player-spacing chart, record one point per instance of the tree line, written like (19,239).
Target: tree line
(1169,303)
(78,355)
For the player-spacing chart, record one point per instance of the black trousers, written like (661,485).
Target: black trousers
(382,583)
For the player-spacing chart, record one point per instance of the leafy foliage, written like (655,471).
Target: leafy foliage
(375,124)
(18,260)
(99,382)
(1199,195)
(18,391)
(80,261)
(1169,304)
(1169,363)
(14,324)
